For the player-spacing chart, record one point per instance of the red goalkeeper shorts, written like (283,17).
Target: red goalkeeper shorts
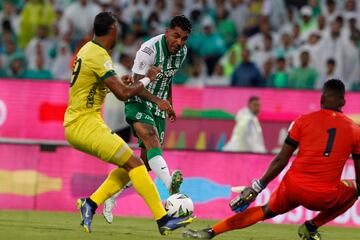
(290,195)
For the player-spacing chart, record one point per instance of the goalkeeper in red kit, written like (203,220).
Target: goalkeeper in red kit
(325,139)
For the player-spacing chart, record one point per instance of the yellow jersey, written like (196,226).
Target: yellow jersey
(87,88)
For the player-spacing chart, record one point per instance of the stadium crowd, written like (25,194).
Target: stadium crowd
(256,43)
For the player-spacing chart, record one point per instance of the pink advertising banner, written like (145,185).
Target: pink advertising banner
(32,179)
(34,109)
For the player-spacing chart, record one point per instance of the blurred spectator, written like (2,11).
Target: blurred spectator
(321,22)
(60,68)
(328,74)
(313,47)
(267,70)
(329,9)
(307,23)
(34,14)
(275,11)
(218,78)
(78,18)
(262,55)
(123,25)
(247,134)
(297,41)
(197,74)
(238,14)
(303,77)
(351,63)
(214,47)
(315,7)
(225,26)
(279,79)
(285,48)
(254,16)
(162,9)
(333,40)
(11,50)
(39,71)
(154,25)
(291,20)
(257,41)
(352,29)
(233,56)
(246,74)
(39,45)
(9,14)
(16,67)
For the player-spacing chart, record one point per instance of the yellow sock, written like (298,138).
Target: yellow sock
(115,181)
(146,188)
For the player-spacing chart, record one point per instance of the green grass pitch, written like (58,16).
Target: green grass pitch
(55,225)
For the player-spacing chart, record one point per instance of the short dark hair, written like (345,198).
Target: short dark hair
(281,59)
(102,23)
(182,22)
(336,86)
(331,61)
(253,98)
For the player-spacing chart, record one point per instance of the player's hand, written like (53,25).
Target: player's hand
(153,72)
(171,115)
(246,197)
(127,79)
(164,105)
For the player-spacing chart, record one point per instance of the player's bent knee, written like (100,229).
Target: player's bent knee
(267,212)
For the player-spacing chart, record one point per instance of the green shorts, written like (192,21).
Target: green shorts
(139,112)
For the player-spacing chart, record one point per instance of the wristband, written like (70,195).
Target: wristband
(145,81)
(258,186)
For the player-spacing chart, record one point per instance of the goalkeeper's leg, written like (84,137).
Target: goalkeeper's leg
(347,197)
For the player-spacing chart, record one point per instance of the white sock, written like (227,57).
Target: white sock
(129,184)
(160,168)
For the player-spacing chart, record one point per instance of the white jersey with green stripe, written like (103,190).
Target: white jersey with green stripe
(154,52)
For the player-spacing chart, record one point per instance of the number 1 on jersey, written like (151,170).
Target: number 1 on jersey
(330,142)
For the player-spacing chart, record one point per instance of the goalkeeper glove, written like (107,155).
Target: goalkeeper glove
(247,196)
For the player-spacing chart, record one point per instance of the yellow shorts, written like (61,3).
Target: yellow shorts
(90,134)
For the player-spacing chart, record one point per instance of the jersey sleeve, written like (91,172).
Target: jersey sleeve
(294,133)
(102,66)
(144,59)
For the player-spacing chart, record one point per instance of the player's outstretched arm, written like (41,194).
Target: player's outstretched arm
(278,163)
(249,194)
(123,90)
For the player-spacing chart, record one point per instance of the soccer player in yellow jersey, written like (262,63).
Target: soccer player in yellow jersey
(93,77)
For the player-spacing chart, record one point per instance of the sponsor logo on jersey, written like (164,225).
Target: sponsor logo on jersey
(166,74)
(147,50)
(90,97)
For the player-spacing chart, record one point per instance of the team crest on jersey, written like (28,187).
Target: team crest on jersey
(142,65)
(138,115)
(108,65)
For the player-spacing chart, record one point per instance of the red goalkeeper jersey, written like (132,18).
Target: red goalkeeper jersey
(325,139)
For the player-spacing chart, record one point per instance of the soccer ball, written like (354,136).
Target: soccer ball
(179,205)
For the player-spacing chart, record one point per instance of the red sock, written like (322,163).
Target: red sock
(240,220)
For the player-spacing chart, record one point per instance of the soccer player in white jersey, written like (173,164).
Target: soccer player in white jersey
(146,113)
